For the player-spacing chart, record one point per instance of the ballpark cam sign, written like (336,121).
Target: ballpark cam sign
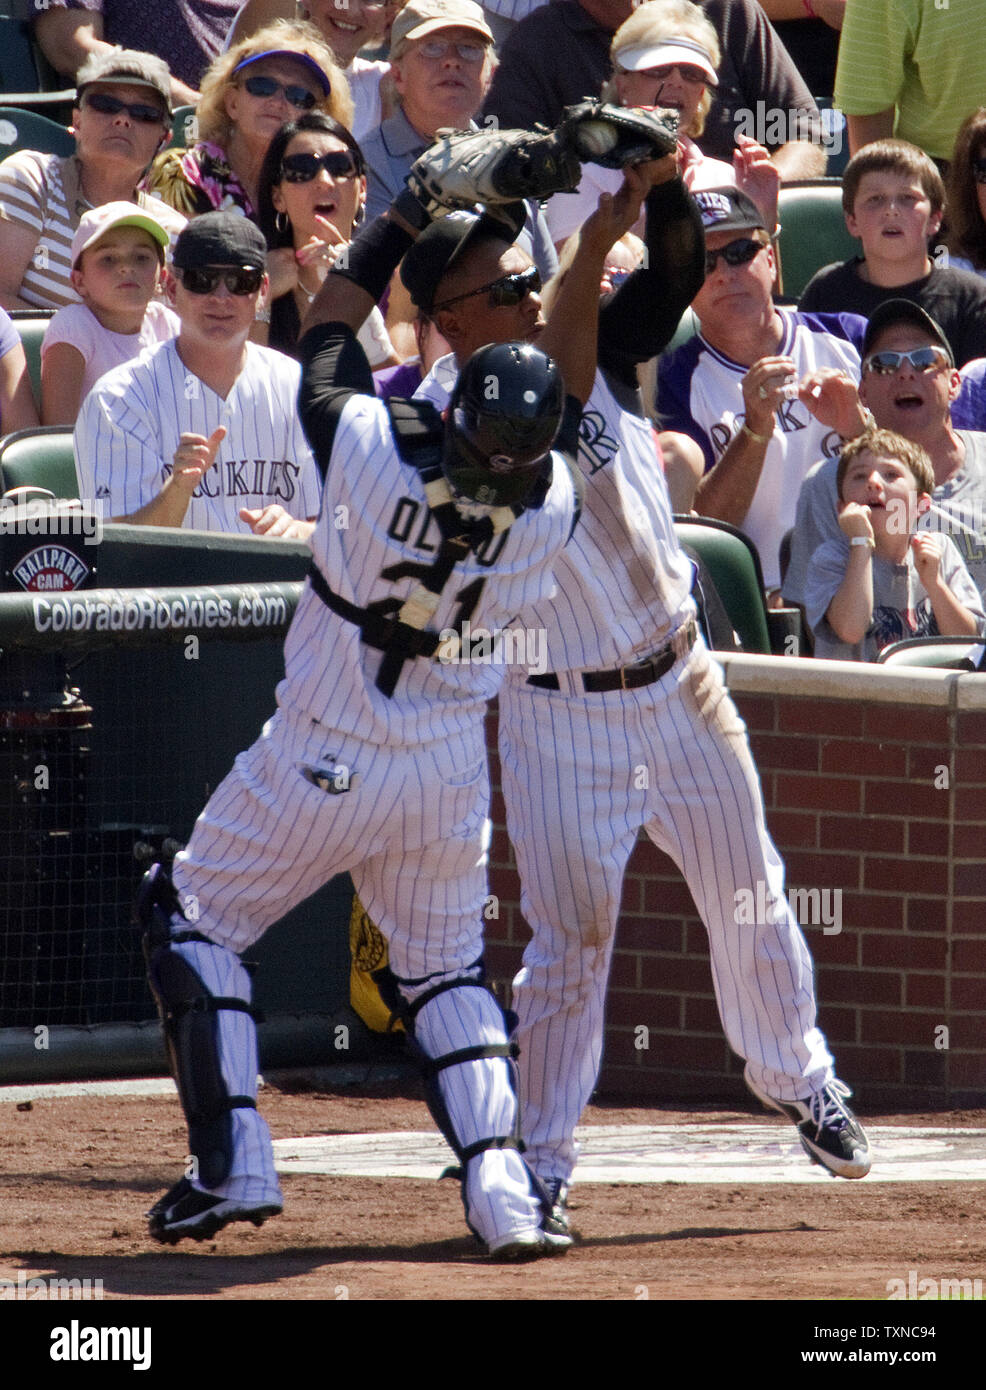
(50,569)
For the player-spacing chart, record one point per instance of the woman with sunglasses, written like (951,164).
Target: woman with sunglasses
(247,95)
(966,196)
(121,119)
(347,26)
(667,54)
(311,194)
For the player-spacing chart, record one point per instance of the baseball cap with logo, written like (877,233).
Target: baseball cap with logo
(641,57)
(127,66)
(419,18)
(220,238)
(894,311)
(441,245)
(98,221)
(728,210)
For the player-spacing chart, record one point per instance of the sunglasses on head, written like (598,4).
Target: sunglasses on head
(302,168)
(137,111)
(504,293)
(438,48)
(979,169)
(737,252)
(239,279)
(299,97)
(926,359)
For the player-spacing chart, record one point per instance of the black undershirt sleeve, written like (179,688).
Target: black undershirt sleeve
(639,319)
(567,439)
(334,368)
(567,445)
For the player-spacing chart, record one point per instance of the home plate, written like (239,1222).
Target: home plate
(697,1153)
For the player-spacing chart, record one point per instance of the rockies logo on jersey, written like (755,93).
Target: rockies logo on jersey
(598,447)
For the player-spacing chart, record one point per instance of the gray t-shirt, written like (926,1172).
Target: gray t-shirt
(901,606)
(958,510)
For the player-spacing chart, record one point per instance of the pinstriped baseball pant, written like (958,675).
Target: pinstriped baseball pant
(582,774)
(413,831)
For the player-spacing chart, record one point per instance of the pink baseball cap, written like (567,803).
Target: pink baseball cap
(98,221)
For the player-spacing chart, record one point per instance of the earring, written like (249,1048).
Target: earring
(281,223)
(359,214)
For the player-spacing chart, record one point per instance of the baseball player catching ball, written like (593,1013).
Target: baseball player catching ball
(375,760)
(632,727)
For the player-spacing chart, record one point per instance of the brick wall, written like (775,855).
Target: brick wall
(875,786)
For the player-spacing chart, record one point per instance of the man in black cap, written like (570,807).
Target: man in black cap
(908,384)
(733,390)
(204,431)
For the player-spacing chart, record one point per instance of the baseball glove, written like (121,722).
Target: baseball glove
(492,167)
(615,136)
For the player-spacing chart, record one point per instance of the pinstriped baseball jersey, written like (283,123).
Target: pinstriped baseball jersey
(131,422)
(623,580)
(374,516)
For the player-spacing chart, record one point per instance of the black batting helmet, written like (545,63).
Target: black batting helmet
(503,418)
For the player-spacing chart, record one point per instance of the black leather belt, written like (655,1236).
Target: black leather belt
(645,672)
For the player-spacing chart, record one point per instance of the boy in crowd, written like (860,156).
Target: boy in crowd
(881,582)
(893,198)
(117,263)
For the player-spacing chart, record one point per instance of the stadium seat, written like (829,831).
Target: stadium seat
(813,232)
(184,128)
(29,130)
(31,325)
(732,560)
(953,653)
(41,456)
(23,68)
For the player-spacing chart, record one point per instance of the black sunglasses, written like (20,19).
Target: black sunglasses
(302,168)
(300,97)
(926,359)
(738,252)
(979,169)
(504,293)
(240,279)
(137,111)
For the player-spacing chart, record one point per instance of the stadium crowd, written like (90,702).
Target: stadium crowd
(305,119)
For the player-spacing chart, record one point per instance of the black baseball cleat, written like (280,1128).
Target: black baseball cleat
(556,1225)
(186,1213)
(830,1133)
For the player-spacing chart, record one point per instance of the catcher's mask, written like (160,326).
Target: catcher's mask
(503,418)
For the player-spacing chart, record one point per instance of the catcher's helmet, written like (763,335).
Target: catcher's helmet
(504,415)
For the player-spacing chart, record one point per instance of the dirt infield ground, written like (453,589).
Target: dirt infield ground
(78,1174)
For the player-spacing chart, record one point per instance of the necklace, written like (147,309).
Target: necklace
(309,294)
